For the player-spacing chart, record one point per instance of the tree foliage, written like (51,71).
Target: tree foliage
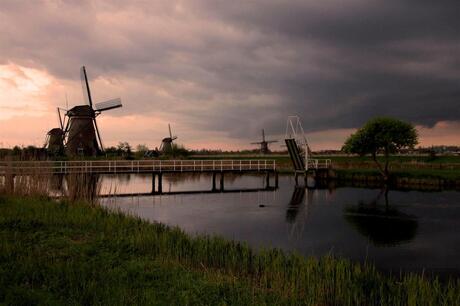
(382,135)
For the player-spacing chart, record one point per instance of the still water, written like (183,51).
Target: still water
(398,231)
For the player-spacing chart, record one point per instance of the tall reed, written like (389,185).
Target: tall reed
(82,187)
(41,182)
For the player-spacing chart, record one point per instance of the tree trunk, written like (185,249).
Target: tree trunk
(387,161)
(383,172)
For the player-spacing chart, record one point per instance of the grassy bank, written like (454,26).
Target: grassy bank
(404,178)
(60,253)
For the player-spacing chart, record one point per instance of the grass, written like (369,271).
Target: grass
(450,175)
(78,254)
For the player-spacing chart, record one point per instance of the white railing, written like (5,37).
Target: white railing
(134,166)
(318,164)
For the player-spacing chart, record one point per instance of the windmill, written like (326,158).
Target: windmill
(54,142)
(264,143)
(81,133)
(167,142)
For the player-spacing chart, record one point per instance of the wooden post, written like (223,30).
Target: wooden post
(160,182)
(153,182)
(221,181)
(214,181)
(267,180)
(276,179)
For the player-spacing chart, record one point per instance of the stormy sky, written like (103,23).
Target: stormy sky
(219,71)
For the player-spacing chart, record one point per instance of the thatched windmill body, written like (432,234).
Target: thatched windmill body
(264,143)
(54,143)
(78,132)
(167,142)
(83,137)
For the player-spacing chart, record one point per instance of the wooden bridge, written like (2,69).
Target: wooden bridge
(134,166)
(10,169)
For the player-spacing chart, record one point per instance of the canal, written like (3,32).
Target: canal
(397,231)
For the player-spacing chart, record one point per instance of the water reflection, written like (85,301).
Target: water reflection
(383,225)
(404,230)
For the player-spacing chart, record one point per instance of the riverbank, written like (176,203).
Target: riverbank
(61,253)
(408,178)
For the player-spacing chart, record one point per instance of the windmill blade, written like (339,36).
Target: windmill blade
(170,134)
(109,104)
(256,142)
(85,87)
(263,135)
(98,135)
(271,141)
(47,140)
(61,124)
(174,138)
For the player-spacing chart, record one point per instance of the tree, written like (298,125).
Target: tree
(124,149)
(141,149)
(382,135)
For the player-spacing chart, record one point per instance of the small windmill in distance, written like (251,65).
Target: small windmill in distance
(264,143)
(167,142)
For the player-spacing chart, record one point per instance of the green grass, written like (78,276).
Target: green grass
(77,254)
(449,175)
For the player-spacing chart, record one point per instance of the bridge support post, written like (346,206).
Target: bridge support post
(153,182)
(276,179)
(160,182)
(267,180)
(221,181)
(214,181)
(296,179)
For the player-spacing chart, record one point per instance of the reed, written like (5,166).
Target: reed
(82,187)
(82,254)
(42,183)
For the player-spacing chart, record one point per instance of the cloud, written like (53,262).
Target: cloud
(230,68)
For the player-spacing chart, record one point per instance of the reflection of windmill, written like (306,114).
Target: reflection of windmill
(79,133)
(167,142)
(264,143)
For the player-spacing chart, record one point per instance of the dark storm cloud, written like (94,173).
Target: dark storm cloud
(237,66)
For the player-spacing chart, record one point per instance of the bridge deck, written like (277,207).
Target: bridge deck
(134,166)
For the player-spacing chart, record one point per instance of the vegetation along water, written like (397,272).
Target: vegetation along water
(74,253)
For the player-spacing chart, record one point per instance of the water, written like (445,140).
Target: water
(409,231)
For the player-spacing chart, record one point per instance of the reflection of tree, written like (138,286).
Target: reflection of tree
(384,226)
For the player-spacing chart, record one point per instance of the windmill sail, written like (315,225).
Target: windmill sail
(109,104)
(61,124)
(85,87)
(98,135)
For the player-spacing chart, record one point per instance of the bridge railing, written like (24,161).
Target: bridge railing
(133,166)
(319,164)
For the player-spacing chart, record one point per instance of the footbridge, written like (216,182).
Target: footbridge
(11,169)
